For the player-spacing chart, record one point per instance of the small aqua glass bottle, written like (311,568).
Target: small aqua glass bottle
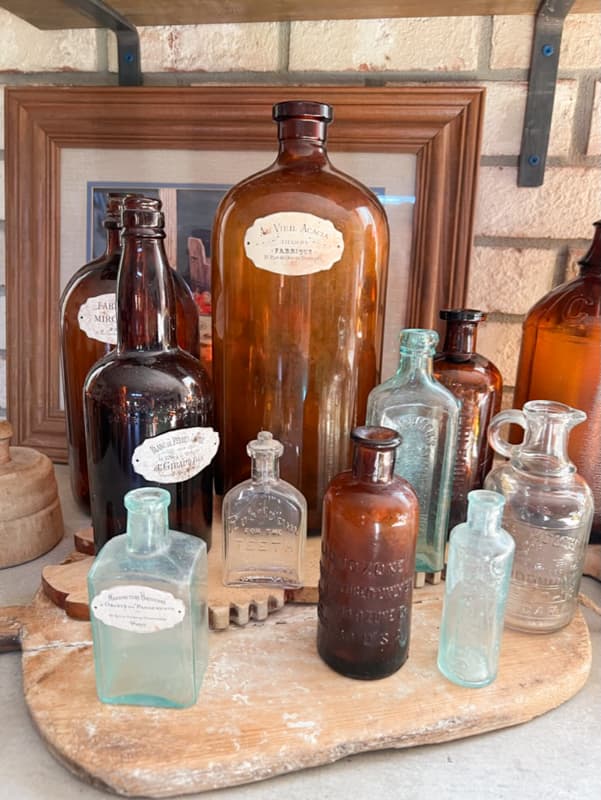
(148,609)
(480,557)
(426,414)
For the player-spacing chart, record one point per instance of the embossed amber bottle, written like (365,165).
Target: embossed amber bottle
(477,384)
(89,331)
(370,522)
(560,359)
(299,260)
(148,403)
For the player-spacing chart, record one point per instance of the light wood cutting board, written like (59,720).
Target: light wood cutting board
(268,705)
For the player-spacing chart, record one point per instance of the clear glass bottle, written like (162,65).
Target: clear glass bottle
(148,403)
(264,523)
(148,608)
(426,415)
(370,523)
(480,556)
(560,359)
(299,261)
(89,332)
(477,384)
(548,511)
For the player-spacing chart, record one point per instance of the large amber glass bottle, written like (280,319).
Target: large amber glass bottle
(148,403)
(560,359)
(370,523)
(89,331)
(300,256)
(477,384)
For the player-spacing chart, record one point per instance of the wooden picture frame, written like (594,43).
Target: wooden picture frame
(440,125)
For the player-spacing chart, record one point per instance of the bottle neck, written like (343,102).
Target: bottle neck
(301,138)
(460,340)
(483,518)
(265,467)
(545,447)
(591,263)
(371,465)
(113,241)
(415,365)
(148,529)
(145,294)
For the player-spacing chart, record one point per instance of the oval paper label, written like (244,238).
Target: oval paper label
(138,608)
(175,456)
(97,318)
(293,243)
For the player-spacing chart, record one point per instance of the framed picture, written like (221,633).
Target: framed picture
(417,147)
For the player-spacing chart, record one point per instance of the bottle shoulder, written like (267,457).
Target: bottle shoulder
(477,373)
(410,396)
(465,538)
(95,278)
(575,302)
(251,491)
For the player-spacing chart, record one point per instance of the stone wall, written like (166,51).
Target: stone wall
(526,239)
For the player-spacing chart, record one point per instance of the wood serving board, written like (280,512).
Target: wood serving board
(268,705)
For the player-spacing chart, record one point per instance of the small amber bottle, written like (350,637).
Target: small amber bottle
(369,533)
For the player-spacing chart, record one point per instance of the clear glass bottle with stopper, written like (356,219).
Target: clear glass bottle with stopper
(479,562)
(264,523)
(148,608)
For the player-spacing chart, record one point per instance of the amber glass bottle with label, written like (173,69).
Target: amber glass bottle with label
(299,259)
(560,359)
(148,403)
(89,331)
(370,523)
(477,383)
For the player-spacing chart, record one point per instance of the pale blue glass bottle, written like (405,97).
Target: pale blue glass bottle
(148,609)
(479,563)
(426,414)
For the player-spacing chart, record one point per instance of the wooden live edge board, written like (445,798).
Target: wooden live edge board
(268,705)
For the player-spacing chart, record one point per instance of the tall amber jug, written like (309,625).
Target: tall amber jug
(560,359)
(300,255)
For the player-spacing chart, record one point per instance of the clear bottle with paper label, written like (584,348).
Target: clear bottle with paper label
(148,404)
(89,332)
(264,523)
(299,261)
(148,609)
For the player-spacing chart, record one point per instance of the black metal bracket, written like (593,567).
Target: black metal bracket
(128,41)
(541,90)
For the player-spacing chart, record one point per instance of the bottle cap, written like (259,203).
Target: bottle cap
(462,315)
(303,108)
(378,438)
(265,444)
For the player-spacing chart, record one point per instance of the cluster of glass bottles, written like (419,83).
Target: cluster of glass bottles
(298,291)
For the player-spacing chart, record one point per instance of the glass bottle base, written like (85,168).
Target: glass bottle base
(146,700)
(363,671)
(459,681)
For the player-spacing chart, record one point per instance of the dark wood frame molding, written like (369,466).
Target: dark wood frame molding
(440,125)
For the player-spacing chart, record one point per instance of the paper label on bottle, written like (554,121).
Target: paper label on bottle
(293,243)
(97,318)
(175,456)
(140,609)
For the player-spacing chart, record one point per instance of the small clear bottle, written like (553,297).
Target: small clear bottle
(264,523)
(480,556)
(426,414)
(148,608)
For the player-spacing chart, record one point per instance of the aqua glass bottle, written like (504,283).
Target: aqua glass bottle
(148,608)
(477,577)
(425,413)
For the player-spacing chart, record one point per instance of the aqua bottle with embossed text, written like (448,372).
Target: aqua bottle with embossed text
(425,414)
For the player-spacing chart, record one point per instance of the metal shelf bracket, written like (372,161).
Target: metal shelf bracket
(541,90)
(128,41)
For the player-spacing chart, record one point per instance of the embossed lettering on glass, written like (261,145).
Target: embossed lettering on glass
(264,523)
(548,511)
(425,413)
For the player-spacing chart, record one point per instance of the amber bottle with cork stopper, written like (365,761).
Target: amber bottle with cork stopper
(299,260)
(148,403)
(370,524)
(560,359)
(477,384)
(89,332)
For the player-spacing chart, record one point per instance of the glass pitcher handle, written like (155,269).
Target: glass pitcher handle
(509,417)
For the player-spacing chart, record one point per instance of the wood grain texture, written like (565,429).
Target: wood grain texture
(440,125)
(268,705)
(62,14)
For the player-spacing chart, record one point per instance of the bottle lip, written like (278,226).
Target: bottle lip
(376,437)
(419,340)
(148,498)
(462,314)
(141,212)
(484,499)
(265,444)
(310,109)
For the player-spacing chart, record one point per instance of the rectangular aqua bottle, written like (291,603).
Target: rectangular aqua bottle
(148,608)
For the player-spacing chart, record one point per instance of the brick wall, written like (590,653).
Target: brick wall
(526,240)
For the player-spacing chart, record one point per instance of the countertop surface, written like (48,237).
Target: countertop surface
(557,755)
